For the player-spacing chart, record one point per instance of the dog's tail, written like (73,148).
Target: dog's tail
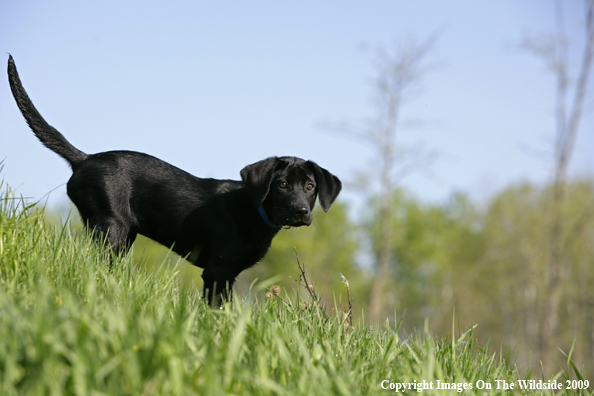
(48,135)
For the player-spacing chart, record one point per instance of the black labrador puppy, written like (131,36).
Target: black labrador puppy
(222,226)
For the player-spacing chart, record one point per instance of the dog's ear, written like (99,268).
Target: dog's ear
(257,178)
(328,186)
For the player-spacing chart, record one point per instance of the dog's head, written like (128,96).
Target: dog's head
(287,188)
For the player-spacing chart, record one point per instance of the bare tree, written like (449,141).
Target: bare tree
(554,51)
(398,74)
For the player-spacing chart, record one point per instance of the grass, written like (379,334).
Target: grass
(70,326)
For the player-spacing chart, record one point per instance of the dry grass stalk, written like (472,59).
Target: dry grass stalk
(307,285)
(348,315)
(274,291)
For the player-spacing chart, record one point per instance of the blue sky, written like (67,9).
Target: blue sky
(213,86)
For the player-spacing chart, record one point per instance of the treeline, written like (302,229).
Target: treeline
(489,264)
(455,263)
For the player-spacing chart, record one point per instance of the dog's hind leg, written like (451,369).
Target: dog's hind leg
(116,235)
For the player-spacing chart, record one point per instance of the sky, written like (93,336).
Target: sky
(213,86)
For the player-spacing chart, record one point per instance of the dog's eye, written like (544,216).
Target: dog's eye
(310,186)
(282,184)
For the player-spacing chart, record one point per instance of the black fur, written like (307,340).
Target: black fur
(214,224)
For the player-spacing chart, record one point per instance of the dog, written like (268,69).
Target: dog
(221,226)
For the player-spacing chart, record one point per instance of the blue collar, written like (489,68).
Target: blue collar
(265,217)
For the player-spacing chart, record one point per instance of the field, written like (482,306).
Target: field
(70,325)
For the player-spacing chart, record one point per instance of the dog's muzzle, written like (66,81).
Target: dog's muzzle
(300,217)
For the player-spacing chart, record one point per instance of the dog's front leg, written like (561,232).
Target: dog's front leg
(218,284)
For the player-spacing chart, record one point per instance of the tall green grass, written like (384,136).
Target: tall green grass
(71,326)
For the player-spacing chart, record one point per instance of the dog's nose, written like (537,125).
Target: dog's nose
(302,212)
